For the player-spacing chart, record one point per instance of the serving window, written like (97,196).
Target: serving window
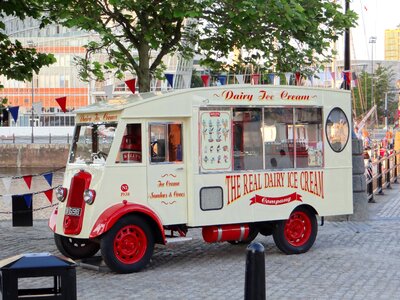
(262,138)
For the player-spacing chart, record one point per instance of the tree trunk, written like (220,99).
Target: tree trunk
(144,76)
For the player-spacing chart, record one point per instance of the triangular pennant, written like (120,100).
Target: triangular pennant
(311,79)
(170,79)
(49,178)
(7,199)
(131,83)
(333,75)
(277,80)
(62,101)
(222,79)
(108,89)
(287,76)
(28,199)
(271,78)
(255,78)
(187,78)
(49,195)
(28,180)
(205,78)
(240,78)
(14,112)
(298,78)
(7,183)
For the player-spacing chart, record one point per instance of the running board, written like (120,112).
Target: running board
(178,239)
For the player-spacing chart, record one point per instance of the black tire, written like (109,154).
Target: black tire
(128,246)
(252,235)
(298,233)
(75,248)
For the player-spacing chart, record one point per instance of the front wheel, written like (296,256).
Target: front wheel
(298,233)
(128,246)
(75,248)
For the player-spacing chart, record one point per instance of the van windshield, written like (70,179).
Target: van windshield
(92,143)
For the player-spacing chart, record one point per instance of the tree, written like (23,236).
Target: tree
(17,62)
(383,78)
(286,35)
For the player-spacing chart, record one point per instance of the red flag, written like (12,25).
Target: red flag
(49,195)
(205,78)
(297,75)
(131,83)
(28,180)
(255,78)
(62,102)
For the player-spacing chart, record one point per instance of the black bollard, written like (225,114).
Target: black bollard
(254,285)
(380,175)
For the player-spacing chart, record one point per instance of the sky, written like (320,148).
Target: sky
(374,17)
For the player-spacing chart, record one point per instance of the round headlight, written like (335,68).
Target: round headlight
(89,196)
(61,193)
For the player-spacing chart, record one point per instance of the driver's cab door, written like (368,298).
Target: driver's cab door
(166,175)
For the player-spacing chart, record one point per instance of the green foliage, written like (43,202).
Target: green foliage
(278,35)
(17,62)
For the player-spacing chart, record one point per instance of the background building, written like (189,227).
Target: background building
(392,44)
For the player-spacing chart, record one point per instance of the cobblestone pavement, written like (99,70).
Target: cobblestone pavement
(349,260)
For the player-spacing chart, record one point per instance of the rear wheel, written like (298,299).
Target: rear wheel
(128,246)
(75,248)
(298,233)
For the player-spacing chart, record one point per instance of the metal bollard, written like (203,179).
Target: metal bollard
(254,285)
(388,172)
(395,168)
(380,175)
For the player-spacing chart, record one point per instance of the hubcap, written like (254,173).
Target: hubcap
(298,229)
(130,244)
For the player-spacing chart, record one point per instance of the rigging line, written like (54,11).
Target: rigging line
(33,175)
(363,26)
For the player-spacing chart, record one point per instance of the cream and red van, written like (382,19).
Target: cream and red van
(236,161)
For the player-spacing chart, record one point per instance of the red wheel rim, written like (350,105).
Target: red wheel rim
(130,244)
(298,229)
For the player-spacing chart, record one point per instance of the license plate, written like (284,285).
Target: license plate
(73,211)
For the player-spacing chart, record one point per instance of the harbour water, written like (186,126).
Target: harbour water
(41,206)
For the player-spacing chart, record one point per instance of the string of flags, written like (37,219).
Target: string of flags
(48,176)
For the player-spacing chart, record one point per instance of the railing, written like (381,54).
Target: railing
(39,139)
(381,173)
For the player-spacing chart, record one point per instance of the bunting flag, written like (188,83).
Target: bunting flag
(28,200)
(333,75)
(277,80)
(355,78)
(14,112)
(7,199)
(311,79)
(187,78)
(109,89)
(298,78)
(287,77)
(7,183)
(49,178)
(37,108)
(206,79)
(62,101)
(271,78)
(222,79)
(28,180)
(131,83)
(170,79)
(255,78)
(347,77)
(240,78)
(49,195)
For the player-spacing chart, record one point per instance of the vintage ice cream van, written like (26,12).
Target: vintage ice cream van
(235,161)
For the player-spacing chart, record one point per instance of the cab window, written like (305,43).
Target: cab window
(165,142)
(130,150)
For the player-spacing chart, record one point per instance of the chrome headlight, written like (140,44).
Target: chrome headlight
(61,193)
(89,196)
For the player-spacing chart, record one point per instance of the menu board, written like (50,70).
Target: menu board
(215,140)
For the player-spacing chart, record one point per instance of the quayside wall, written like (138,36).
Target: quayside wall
(33,155)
